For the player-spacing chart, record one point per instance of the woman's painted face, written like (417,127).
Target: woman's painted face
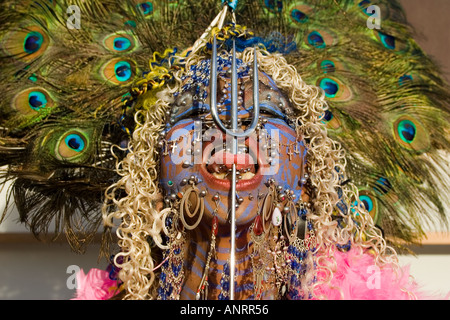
(195,152)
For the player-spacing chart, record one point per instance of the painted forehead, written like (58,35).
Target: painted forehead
(193,99)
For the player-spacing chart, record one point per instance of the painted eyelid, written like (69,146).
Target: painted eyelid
(190,110)
(272,110)
(275,123)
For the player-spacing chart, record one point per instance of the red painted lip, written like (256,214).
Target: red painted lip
(225,184)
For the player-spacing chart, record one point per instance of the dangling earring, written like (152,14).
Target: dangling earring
(268,207)
(301,243)
(186,207)
(172,269)
(225,282)
(257,236)
(202,291)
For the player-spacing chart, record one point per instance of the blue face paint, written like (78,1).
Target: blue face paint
(178,165)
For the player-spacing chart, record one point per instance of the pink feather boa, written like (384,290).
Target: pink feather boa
(356,277)
(96,285)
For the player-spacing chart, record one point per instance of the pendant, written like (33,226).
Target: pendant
(276,217)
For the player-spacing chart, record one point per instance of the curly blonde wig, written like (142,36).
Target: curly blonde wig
(136,199)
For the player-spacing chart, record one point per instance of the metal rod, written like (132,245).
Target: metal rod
(234,127)
(233,131)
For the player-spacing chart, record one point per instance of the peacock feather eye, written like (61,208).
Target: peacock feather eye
(334,89)
(32,101)
(26,44)
(369,202)
(71,145)
(37,100)
(122,70)
(387,40)
(120,43)
(273,5)
(407,131)
(119,71)
(33,42)
(328,116)
(391,43)
(146,8)
(320,39)
(327,66)
(330,120)
(363,5)
(75,142)
(411,134)
(33,78)
(330,87)
(299,16)
(300,13)
(316,40)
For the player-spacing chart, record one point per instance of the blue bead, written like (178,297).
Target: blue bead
(176,269)
(226,268)
(226,285)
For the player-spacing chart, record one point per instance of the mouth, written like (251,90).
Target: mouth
(217,166)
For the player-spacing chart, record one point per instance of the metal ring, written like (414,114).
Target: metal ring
(200,208)
(267,210)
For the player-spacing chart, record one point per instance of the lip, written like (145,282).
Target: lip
(225,184)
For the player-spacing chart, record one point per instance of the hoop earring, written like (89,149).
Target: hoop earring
(185,207)
(291,221)
(267,209)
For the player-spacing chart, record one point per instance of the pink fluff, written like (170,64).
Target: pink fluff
(96,285)
(358,278)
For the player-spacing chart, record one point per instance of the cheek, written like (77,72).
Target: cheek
(289,159)
(176,160)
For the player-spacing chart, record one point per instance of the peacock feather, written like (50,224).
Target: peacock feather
(68,99)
